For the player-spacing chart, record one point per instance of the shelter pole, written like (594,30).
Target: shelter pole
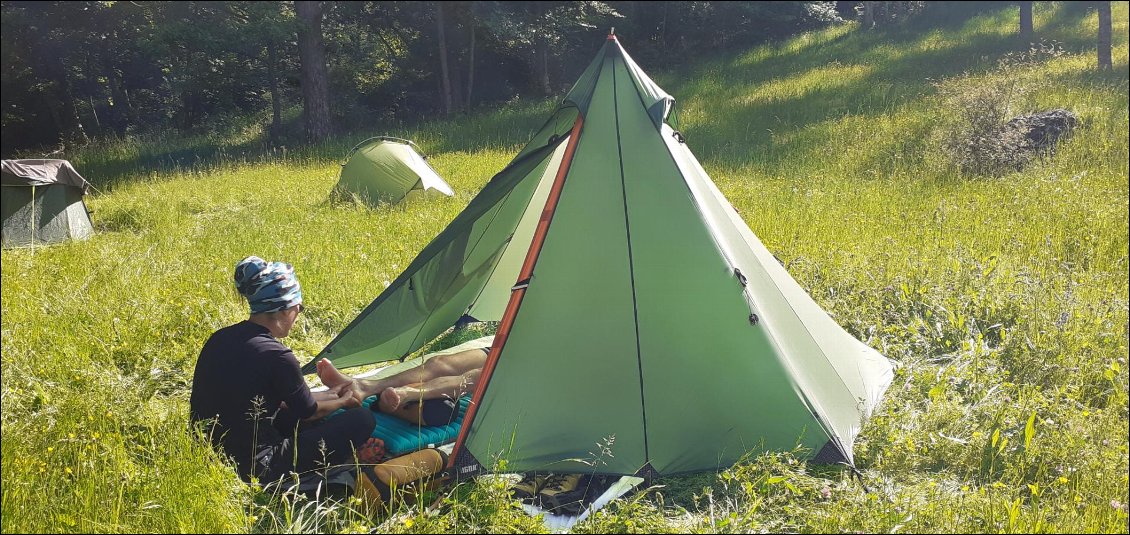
(520,287)
(34,220)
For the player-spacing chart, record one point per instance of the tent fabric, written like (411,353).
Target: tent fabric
(655,329)
(42,202)
(388,170)
(41,173)
(448,276)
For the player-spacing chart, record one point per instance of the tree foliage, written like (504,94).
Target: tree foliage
(75,70)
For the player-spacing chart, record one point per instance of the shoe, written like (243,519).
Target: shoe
(528,487)
(374,495)
(561,491)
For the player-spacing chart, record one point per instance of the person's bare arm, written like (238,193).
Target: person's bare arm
(332,400)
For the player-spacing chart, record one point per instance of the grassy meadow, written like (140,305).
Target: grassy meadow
(1004,300)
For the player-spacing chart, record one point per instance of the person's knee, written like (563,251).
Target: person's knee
(368,420)
(439,367)
(362,421)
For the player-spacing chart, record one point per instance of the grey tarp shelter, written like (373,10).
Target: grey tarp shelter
(389,170)
(42,202)
(635,306)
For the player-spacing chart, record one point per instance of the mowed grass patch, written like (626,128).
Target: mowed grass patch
(1004,300)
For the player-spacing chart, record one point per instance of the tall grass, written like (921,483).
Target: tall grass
(1004,300)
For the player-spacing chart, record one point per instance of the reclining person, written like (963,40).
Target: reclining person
(427,394)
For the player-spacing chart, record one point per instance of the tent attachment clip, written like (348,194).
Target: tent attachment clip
(741,277)
(679,136)
(521,284)
(753,319)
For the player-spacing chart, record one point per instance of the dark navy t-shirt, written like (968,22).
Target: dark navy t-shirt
(243,375)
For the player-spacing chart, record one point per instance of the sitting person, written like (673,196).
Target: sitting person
(248,387)
(426,395)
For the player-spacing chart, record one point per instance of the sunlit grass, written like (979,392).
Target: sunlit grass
(1004,300)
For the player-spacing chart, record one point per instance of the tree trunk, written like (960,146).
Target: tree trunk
(94,113)
(868,15)
(1104,35)
(62,104)
(446,78)
(71,128)
(276,102)
(1026,22)
(315,85)
(543,67)
(471,65)
(121,111)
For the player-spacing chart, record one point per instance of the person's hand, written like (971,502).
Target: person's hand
(346,395)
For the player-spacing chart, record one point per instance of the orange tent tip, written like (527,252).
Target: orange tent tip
(612,34)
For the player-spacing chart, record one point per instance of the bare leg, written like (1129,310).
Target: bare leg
(455,364)
(448,387)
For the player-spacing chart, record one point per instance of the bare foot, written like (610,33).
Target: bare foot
(329,375)
(350,392)
(391,398)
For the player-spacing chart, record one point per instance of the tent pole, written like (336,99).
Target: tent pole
(520,287)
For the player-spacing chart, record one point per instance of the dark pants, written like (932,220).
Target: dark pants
(341,435)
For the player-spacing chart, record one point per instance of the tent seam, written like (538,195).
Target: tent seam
(631,262)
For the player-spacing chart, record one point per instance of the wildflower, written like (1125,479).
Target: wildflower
(1116,505)
(408,522)
(826,492)
(1062,480)
(50,449)
(965,488)
(68,470)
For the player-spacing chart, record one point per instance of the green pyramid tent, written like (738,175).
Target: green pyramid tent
(388,170)
(635,305)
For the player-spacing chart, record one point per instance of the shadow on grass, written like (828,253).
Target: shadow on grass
(113,163)
(737,120)
(835,72)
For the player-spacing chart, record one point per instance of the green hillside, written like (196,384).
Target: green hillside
(1004,299)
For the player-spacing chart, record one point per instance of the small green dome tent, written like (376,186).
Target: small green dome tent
(42,202)
(388,170)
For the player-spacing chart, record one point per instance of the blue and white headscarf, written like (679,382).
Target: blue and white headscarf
(268,287)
